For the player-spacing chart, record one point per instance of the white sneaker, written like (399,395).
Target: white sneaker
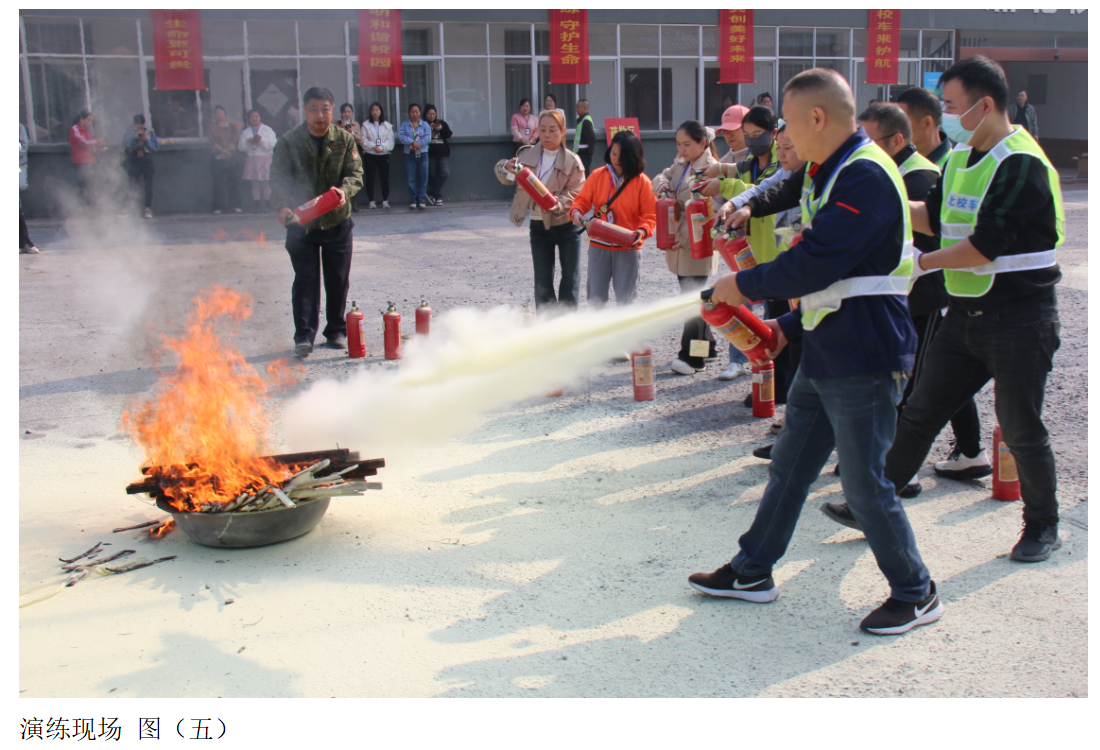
(238,211)
(412,206)
(217,212)
(371,205)
(734,371)
(147,214)
(680,367)
(958,466)
(385,204)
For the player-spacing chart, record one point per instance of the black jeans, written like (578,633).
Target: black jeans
(226,174)
(327,250)
(142,170)
(567,239)
(695,329)
(786,364)
(439,169)
(24,236)
(376,164)
(1015,348)
(965,424)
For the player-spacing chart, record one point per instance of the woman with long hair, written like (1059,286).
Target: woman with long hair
(257,141)
(561,171)
(377,137)
(439,158)
(347,122)
(622,194)
(416,137)
(224,168)
(525,126)
(693,142)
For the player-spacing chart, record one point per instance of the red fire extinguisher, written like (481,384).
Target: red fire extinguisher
(699,218)
(667,213)
(531,184)
(609,234)
(641,365)
(357,339)
(391,330)
(423,319)
(718,240)
(738,326)
(1006,481)
(322,204)
(725,246)
(763,390)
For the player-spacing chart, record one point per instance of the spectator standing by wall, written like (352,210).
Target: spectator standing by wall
(347,122)
(84,146)
(139,144)
(257,142)
(584,139)
(1023,114)
(550,104)
(415,136)
(525,126)
(377,144)
(223,164)
(25,244)
(439,157)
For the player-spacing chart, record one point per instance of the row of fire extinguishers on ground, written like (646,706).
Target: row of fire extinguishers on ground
(391,329)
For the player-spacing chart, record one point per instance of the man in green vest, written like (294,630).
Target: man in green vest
(584,140)
(925,113)
(998,210)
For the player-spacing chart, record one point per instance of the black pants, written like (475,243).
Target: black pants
(226,175)
(565,241)
(786,364)
(24,236)
(85,180)
(142,170)
(439,169)
(376,164)
(965,424)
(586,160)
(1014,347)
(327,250)
(695,329)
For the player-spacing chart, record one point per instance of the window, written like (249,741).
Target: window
(364,96)
(57,87)
(220,39)
(832,42)
(908,77)
(680,93)
(110,36)
(464,39)
(419,39)
(763,38)
(564,93)
(600,95)
(787,70)
(638,40)
(268,37)
(421,86)
(679,41)
(717,97)
(466,104)
(318,38)
(116,94)
(641,96)
(225,86)
(273,82)
(796,42)
(174,114)
(511,79)
(330,73)
(603,39)
(764,75)
(937,44)
(509,39)
(57,35)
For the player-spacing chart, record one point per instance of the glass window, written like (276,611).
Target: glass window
(45,34)
(602,40)
(794,42)
(601,97)
(464,39)
(509,39)
(764,39)
(466,103)
(564,93)
(511,79)
(421,86)
(934,66)
(832,42)
(220,39)
(764,83)
(57,87)
(908,77)
(110,36)
(174,112)
(386,96)
(273,82)
(116,95)
(910,43)
(419,39)
(937,43)
(267,38)
(542,39)
(318,38)
(840,66)
(788,69)
(640,92)
(717,97)
(679,101)
(332,74)
(225,86)
(638,40)
(680,41)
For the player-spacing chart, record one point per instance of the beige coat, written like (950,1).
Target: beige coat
(679,258)
(564,181)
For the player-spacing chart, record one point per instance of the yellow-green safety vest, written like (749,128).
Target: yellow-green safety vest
(577,134)
(761,230)
(817,305)
(917,163)
(964,190)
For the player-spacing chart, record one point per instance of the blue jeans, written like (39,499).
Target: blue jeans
(858,415)
(416,167)
(567,239)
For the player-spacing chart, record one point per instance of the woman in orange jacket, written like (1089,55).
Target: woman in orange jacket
(619,193)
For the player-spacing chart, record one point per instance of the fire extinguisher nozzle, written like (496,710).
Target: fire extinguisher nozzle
(706,294)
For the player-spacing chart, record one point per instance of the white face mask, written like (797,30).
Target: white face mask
(952,125)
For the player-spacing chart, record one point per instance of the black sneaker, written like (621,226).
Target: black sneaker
(895,617)
(339,341)
(748,401)
(724,582)
(764,452)
(842,514)
(431,200)
(909,491)
(1037,542)
(303,349)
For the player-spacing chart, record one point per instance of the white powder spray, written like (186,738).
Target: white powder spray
(473,361)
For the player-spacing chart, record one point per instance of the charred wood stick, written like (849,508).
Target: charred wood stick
(150,487)
(282,497)
(339,454)
(92,551)
(100,561)
(137,526)
(306,475)
(136,565)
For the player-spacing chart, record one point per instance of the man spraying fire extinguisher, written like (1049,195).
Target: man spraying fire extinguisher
(309,160)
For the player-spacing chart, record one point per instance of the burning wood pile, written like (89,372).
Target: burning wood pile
(280,481)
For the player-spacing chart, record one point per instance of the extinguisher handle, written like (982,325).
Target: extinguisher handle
(706,293)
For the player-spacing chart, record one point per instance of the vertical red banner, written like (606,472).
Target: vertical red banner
(735,47)
(569,46)
(883,46)
(380,48)
(177,50)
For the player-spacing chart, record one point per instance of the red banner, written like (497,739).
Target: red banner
(883,45)
(614,124)
(735,47)
(380,48)
(569,46)
(177,50)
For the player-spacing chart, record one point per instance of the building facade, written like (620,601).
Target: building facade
(476,66)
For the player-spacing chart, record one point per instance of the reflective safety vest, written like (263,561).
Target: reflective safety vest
(761,229)
(917,163)
(942,161)
(577,134)
(817,305)
(964,190)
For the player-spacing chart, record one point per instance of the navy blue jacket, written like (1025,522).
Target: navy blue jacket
(858,232)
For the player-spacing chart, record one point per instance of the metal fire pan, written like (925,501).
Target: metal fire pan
(251,529)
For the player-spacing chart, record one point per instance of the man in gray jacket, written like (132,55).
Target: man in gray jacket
(1022,113)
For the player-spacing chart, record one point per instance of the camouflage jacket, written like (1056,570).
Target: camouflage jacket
(297,175)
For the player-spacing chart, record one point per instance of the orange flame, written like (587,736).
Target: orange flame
(248,234)
(158,531)
(204,431)
(219,234)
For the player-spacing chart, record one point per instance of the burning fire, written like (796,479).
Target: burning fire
(204,431)
(247,234)
(158,531)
